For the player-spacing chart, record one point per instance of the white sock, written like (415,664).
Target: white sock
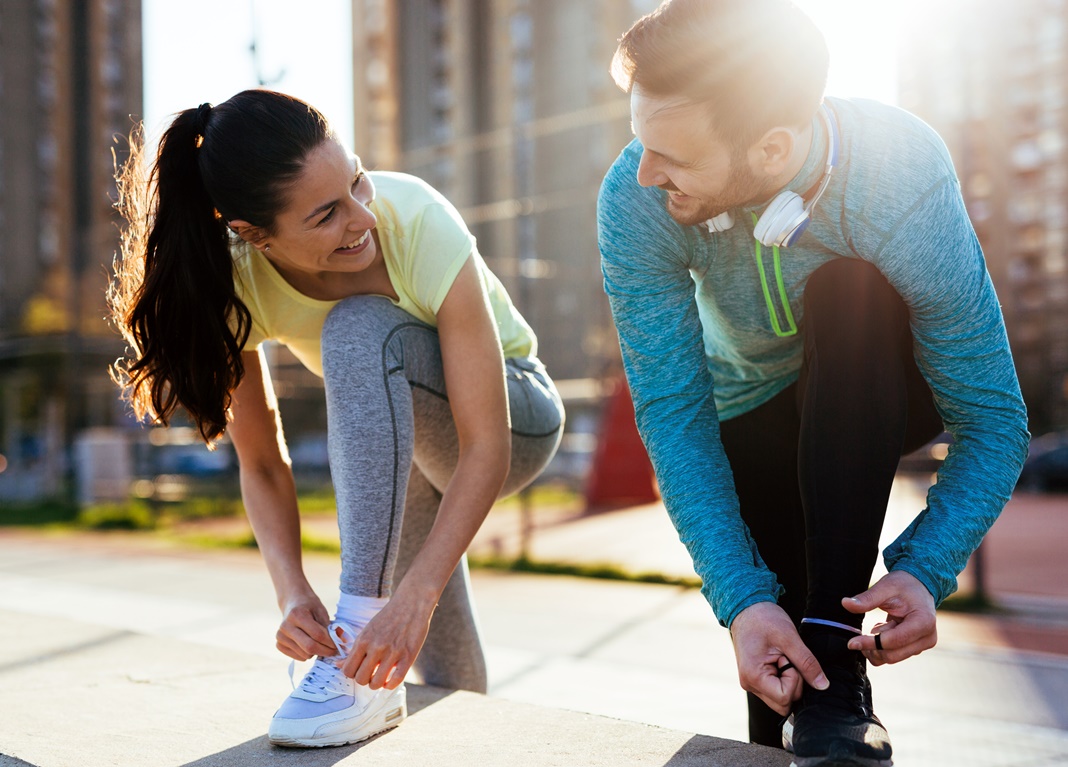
(358,611)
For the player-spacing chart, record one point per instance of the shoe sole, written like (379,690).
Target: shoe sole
(835,761)
(385,720)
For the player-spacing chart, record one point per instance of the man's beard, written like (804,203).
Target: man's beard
(742,187)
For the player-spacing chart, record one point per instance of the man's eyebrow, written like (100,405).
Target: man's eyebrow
(669,158)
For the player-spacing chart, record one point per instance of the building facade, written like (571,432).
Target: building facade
(507,107)
(70,90)
(990,77)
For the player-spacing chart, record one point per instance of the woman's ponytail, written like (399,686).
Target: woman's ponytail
(173,296)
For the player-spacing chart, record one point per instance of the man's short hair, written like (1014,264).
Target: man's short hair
(757,64)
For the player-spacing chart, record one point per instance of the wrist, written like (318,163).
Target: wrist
(295,592)
(416,594)
(750,609)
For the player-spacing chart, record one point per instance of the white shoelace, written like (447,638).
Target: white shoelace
(325,674)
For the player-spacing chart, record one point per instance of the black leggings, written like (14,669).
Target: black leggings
(815,463)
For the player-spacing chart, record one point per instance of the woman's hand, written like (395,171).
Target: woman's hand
(388,646)
(303,633)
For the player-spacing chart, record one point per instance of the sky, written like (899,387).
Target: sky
(199,50)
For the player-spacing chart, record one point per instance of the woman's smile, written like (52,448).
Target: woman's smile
(357,246)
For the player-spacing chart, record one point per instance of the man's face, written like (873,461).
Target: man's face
(701,174)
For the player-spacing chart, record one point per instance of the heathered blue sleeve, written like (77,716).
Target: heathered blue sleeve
(644,259)
(933,259)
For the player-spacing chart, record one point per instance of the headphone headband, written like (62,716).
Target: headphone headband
(788,215)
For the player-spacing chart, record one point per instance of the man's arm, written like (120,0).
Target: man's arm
(644,259)
(934,261)
(645,265)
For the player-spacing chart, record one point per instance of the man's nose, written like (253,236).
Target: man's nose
(649,173)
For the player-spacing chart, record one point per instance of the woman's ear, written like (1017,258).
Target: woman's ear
(256,236)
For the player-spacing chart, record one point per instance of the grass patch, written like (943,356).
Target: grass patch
(310,543)
(42,513)
(319,545)
(320,501)
(248,541)
(132,515)
(140,513)
(128,515)
(542,496)
(599,571)
(200,507)
(244,541)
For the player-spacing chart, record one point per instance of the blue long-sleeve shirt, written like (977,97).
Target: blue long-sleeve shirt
(698,344)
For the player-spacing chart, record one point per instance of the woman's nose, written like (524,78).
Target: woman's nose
(363,217)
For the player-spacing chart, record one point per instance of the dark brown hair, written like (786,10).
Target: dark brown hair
(173,295)
(757,64)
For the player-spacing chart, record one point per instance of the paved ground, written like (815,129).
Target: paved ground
(119,651)
(993,693)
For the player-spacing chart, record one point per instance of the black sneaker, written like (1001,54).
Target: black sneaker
(836,727)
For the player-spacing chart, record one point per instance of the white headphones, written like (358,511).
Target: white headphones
(787,216)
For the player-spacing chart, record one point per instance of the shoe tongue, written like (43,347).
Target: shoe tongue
(323,672)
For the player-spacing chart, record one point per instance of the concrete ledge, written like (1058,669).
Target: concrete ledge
(76,694)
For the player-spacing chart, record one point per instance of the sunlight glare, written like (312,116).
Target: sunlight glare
(862,38)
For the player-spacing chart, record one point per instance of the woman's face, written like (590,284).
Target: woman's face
(326,227)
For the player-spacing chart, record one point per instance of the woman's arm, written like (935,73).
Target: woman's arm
(474,378)
(270,498)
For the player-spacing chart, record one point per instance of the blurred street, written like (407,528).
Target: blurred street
(992,692)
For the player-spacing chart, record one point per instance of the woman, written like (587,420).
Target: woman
(258,224)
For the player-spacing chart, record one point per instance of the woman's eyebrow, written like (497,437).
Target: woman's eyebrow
(321,209)
(328,205)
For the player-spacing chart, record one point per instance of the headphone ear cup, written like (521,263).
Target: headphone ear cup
(720,223)
(795,234)
(782,216)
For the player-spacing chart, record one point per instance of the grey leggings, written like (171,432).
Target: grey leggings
(393,448)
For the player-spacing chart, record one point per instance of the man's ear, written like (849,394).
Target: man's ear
(773,151)
(256,236)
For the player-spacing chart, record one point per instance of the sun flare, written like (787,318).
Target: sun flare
(862,37)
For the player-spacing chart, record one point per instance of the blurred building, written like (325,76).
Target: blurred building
(990,77)
(507,107)
(70,83)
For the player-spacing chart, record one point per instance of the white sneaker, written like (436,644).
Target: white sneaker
(330,709)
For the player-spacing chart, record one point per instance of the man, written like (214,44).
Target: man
(800,300)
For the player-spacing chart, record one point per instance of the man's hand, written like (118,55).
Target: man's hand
(910,628)
(764,641)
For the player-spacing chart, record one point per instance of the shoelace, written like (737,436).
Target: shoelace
(325,675)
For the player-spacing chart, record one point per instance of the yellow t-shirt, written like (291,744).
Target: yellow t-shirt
(424,243)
